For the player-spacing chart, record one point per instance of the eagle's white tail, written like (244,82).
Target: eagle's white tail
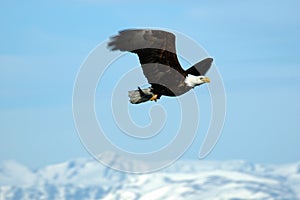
(140,95)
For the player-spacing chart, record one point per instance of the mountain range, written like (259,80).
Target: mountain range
(87,179)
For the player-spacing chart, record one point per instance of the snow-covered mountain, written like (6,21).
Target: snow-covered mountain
(87,179)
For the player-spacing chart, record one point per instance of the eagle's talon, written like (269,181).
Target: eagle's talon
(154,98)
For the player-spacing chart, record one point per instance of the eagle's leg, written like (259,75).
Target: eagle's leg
(154,97)
(142,94)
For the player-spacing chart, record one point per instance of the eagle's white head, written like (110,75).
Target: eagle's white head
(193,81)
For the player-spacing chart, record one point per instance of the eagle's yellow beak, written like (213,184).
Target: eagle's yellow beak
(206,80)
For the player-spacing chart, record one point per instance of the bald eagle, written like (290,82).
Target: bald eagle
(157,55)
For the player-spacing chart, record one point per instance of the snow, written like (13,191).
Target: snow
(87,179)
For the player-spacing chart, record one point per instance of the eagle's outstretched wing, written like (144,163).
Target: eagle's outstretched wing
(156,51)
(200,68)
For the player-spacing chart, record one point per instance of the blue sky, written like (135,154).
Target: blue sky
(255,45)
